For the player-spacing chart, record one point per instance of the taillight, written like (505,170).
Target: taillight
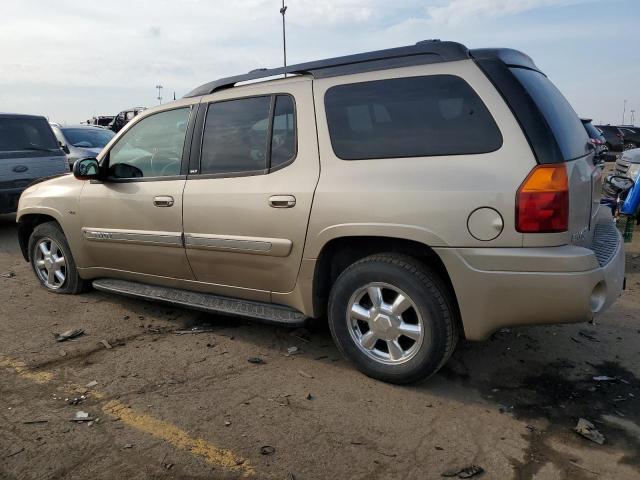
(542,201)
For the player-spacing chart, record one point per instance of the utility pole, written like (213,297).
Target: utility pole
(283,10)
(159,87)
(624,111)
(633,117)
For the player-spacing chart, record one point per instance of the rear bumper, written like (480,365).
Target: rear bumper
(9,199)
(500,287)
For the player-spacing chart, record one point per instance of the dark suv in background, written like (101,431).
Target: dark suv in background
(28,151)
(631,136)
(597,139)
(613,136)
(125,117)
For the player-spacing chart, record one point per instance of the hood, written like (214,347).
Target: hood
(82,152)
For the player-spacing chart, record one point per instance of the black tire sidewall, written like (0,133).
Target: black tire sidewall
(428,297)
(73,282)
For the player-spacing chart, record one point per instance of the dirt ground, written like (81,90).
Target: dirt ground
(191,405)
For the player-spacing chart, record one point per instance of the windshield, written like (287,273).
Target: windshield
(88,137)
(26,133)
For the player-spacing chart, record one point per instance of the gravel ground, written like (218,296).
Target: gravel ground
(191,406)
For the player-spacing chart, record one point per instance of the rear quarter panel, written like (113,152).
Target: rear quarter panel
(426,199)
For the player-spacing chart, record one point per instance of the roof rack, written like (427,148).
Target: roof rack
(424,52)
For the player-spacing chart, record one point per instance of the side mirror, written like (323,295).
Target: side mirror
(86,169)
(64,148)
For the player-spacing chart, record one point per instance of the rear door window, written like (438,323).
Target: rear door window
(409,117)
(567,128)
(27,133)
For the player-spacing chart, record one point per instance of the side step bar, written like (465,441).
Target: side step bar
(205,302)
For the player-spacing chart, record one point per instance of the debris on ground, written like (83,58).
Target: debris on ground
(91,384)
(15,452)
(227,423)
(256,360)
(128,445)
(302,334)
(76,400)
(588,430)
(194,330)
(588,336)
(603,378)
(292,351)
(291,476)
(81,416)
(9,274)
(68,335)
(305,374)
(466,472)
(267,450)
(33,422)
(310,397)
(106,344)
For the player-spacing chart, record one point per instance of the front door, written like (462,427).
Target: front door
(132,221)
(247,202)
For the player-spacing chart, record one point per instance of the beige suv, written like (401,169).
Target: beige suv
(412,196)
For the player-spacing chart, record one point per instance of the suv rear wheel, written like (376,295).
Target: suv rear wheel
(51,260)
(393,318)
(630,146)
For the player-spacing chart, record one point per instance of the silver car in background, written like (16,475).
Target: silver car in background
(81,141)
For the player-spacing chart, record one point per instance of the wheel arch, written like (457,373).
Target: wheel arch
(338,253)
(26,225)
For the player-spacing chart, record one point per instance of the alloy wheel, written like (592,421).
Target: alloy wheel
(49,263)
(385,323)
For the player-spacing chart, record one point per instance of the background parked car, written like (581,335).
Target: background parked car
(28,151)
(81,141)
(597,139)
(631,136)
(125,117)
(613,136)
(101,120)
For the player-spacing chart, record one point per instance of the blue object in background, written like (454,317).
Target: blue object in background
(632,202)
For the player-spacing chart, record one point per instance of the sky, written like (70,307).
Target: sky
(72,59)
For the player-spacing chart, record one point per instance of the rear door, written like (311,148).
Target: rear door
(248,196)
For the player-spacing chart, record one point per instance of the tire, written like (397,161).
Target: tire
(630,146)
(65,278)
(430,311)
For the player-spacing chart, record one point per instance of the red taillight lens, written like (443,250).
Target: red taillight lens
(542,201)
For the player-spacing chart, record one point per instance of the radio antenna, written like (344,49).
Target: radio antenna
(283,10)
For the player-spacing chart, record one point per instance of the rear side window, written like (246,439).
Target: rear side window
(249,135)
(556,110)
(409,117)
(26,133)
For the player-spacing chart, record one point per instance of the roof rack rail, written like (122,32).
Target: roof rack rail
(424,52)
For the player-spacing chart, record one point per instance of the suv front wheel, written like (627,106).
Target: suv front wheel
(51,260)
(393,318)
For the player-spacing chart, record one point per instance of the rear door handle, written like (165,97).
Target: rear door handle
(163,201)
(282,201)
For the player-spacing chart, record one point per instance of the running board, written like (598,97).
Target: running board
(205,302)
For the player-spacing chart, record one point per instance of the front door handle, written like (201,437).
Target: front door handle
(282,201)
(163,201)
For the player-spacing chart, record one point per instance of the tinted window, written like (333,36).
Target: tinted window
(558,113)
(88,137)
(283,141)
(26,133)
(236,135)
(409,117)
(152,147)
